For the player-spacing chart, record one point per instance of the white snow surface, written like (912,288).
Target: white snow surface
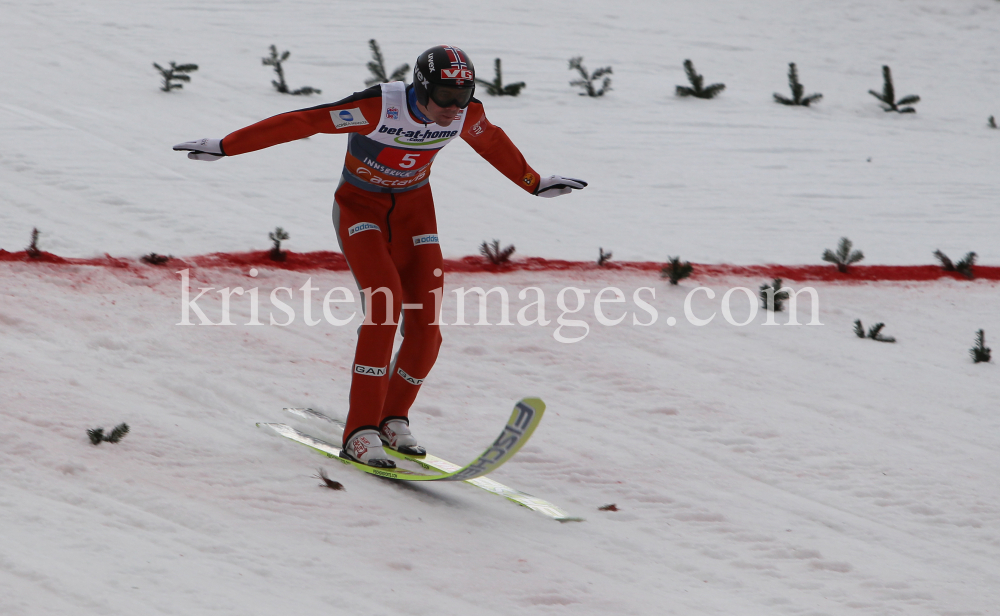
(756,469)
(771,470)
(739,179)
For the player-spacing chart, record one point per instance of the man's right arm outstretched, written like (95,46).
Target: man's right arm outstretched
(358,113)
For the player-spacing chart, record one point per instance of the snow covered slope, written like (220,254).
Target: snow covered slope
(771,470)
(757,469)
(739,179)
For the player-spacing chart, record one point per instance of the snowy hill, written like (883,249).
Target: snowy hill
(738,179)
(756,469)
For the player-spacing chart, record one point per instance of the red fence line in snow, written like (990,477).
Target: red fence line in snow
(334,261)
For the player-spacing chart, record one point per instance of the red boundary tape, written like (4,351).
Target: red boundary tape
(334,261)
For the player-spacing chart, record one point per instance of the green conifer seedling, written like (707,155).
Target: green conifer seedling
(946,263)
(496,87)
(277,236)
(772,296)
(33,251)
(859,329)
(697,88)
(116,435)
(603,257)
(97,435)
(175,73)
(964,267)
(587,80)
(275,60)
(676,270)
(797,90)
(495,254)
(844,257)
(377,67)
(980,353)
(155,259)
(874,332)
(888,95)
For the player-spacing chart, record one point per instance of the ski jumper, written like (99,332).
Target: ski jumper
(384,216)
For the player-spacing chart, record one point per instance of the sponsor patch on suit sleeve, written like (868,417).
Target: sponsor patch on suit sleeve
(348,117)
(430,238)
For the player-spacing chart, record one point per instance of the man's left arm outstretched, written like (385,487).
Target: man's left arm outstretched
(490,142)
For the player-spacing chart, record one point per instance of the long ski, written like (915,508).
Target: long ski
(522,423)
(434,463)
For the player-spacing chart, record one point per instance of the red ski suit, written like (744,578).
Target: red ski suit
(384,216)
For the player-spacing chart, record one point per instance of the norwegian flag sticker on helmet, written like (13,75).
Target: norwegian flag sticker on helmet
(459,65)
(456,57)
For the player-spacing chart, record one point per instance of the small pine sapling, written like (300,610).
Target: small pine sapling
(377,67)
(275,60)
(175,73)
(587,79)
(277,236)
(697,88)
(963,267)
(773,296)
(496,87)
(675,270)
(859,329)
(155,259)
(797,90)
(97,435)
(844,256)
(32,249)
(980,353)
(946,263)
(603,257)
(116,435)
(495,254)
(992,122)
(874,332)
(888,95)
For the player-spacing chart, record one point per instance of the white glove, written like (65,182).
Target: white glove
(556,185)
(203,149)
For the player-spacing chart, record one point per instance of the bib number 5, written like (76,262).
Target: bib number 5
(404,160)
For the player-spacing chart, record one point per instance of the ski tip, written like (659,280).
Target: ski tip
(535,403)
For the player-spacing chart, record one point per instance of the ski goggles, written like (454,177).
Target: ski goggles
(448,96)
